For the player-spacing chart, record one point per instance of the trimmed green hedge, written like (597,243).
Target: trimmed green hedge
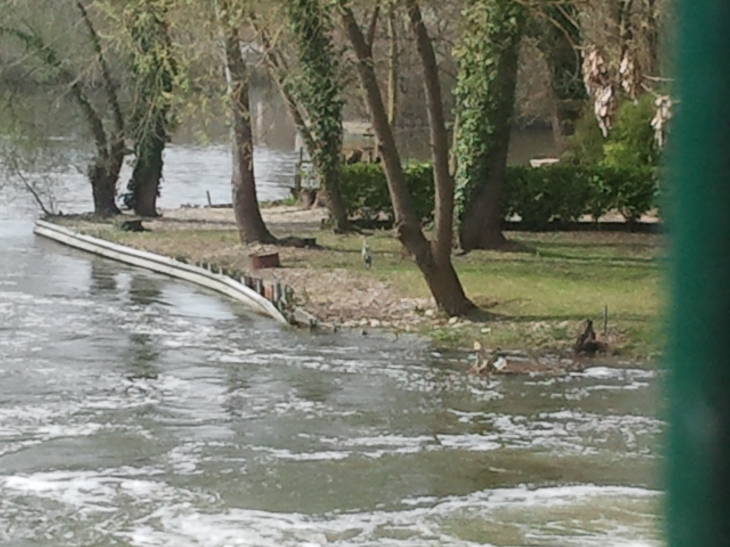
(538,195)
(364,190)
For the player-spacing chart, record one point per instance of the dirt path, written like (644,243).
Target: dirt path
(280,219)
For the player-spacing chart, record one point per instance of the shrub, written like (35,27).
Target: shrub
(631,190)
(566,192)
(631,142)
(364,189)
(537,195)
(585,145)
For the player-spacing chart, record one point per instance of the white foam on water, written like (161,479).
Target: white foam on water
(582,515)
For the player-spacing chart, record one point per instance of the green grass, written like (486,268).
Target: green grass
(538,297)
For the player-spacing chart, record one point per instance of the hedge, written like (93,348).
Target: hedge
(538,195)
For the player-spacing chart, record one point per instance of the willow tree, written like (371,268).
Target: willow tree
(318,91)
(485,95)
(104,122)
(433,258)
(153,69)
(251,226)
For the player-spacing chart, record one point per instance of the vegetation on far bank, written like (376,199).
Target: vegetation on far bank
(534,299)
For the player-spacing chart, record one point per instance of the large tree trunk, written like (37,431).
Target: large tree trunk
(443,179)
(329,173)
(154,69)
(319,94)
(435,265)
(485,94)
(104,170)
(145,184)
(104,190)
(103,175)
(147,172)
(251,226)
(481,225)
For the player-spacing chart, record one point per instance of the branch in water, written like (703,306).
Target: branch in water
(36,196)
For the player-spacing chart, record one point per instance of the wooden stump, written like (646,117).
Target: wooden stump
(264,261)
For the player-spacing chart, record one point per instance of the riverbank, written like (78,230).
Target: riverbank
(536,299)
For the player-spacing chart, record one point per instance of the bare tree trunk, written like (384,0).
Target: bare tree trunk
(437,269)
(251,227)
(104,190)
(443,180)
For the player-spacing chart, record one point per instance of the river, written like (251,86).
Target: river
(138,410)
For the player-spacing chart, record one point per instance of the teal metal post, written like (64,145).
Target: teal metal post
(698,509)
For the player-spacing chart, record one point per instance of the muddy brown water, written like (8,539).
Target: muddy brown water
(139,410)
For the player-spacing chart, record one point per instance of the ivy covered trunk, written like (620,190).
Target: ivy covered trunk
(251,227)
(154,71)
(434,264)
(318,91)
(485,95)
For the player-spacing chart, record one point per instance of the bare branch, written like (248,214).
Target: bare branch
(278,66)
(109,86)
(33,192)
(373,26)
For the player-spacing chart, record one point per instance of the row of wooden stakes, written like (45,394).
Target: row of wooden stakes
(282,296)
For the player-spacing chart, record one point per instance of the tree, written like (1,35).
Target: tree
(433,258)
(485,92)
(251,226)
(154,69)
(318,93)
(104,167)
(559,40)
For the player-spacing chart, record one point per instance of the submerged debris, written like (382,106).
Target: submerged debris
(509,362)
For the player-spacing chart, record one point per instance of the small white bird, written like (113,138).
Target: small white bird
(367,258)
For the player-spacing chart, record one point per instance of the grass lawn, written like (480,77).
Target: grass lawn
(536,297)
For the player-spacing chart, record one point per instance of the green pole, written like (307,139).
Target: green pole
(698,510)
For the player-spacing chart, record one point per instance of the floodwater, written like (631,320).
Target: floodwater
(137,410)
